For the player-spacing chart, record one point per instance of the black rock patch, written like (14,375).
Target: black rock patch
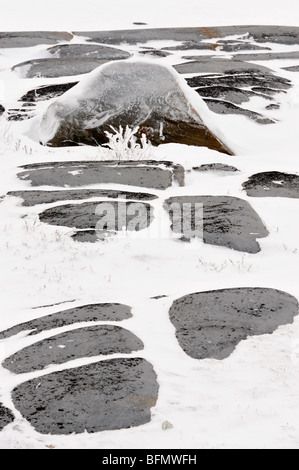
(46,92)
(107,395)
(225,107)
(83,342)
(227,221)
(150,174)
(6,417)
(211,324)
(84,313)
(272,184)
(218,167)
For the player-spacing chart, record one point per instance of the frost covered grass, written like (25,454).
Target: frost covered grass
(123,144)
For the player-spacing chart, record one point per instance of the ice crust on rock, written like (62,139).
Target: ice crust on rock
(126,93)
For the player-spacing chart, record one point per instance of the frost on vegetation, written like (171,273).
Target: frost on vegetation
(123,144)
(11,142)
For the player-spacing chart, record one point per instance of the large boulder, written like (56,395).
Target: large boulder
(125,93)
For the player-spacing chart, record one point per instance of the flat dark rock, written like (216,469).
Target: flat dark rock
(227,221)
(83,342)
(89,51)
(51,68)
(292,68)
(84,313)
(32,198)
(211,324)
(218,167)
(155,53)
(258,81)
(227,93)
(107,395)
(148,173)
(202,64)
(46,92)
(225,107)
(2,109)
(234,46)
(103,216)
(260,33)
(268,56)
(6,417)
(32,38)
(272,184)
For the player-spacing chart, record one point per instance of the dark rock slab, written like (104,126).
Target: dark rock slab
(268,56)
(292,68)
(107,395)
(227,221)
(227,93)
(210,64)
(235,46)
(272,184)
(89,51)
(83,342)
(211,324)
(32,198)
(272,106)
(218,167)
(155,53)
(106,217)
(6,417)
(260,33)
(32,38)
(148,173)
(2,109)
(46,92)
(84,313)
(225,107)
(188,45)
(258,81)
(51,68)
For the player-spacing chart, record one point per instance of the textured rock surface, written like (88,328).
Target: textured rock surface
(217,167)
(6,417)
(84,313)
(83,342)
(32,38)
(52,68)
(107,395)
(89,51)
(125,93)
(225,107)
(46,92)
(272,184)
(227,221)
(32,198)
(148,173)
(211,324)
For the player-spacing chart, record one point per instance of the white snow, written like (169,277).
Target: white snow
(249,400)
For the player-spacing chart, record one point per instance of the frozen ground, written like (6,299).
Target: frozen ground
(248,400)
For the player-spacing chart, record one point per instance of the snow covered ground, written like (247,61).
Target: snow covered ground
(250,399)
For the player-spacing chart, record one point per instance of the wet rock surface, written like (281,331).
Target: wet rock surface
(83,342)
(32,198)
(227,221)
(272,184)
(84,313)
(148,173)
(6,416)
(107,395)
(211,324)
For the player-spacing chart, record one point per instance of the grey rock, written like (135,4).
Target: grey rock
(83,342)
(227,93)
(32,198)
(107,395)
(46,92)
(148,173)
(6,416)
(233,46)
(272,184)
(90,236)
(52,68)
(210,64)
(227,221)
(292,68)
(211,324)
(88,51)
(32,38)
(268,56)
(225,107)
(272,106)
(258,81)
(97,215)
(2,109)
(84,313)
(155,53)
(218,167)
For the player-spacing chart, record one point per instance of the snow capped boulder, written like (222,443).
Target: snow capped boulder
(130,93)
